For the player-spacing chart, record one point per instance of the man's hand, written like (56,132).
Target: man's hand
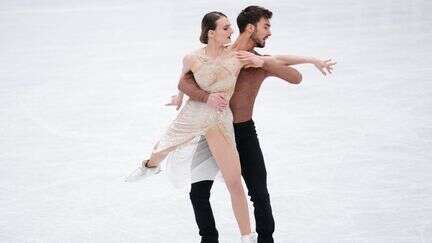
(249,59)
(176,100)
(217,101)
(324,66)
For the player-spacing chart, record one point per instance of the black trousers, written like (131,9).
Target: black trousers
(255,175)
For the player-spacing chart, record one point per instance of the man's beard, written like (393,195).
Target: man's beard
(258,42)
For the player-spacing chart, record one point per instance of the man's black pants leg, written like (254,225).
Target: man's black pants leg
(200,198)
(255,176)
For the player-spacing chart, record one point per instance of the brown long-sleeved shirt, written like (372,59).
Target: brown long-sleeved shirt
(246,90)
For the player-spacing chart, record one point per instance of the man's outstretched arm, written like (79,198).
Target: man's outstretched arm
(325,66)
(278,65)
(275,68)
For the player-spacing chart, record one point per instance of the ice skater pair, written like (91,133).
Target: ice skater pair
(222,81)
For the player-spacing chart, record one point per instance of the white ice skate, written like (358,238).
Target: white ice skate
(143,172)
(250,238)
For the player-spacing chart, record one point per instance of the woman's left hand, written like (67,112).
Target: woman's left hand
(176,100)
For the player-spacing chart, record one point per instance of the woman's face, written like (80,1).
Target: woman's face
(223,31)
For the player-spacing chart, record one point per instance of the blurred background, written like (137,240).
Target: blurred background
(82,91)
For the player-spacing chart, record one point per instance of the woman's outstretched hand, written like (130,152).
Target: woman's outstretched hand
(249,59)
(176,100)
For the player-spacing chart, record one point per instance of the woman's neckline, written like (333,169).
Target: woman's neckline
(222,54)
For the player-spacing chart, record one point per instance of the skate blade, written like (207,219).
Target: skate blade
(135,175)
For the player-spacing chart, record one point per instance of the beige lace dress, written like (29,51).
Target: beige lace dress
(178,147)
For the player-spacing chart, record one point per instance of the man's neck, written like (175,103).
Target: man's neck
(244,43)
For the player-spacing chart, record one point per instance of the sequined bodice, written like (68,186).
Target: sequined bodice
(218,74)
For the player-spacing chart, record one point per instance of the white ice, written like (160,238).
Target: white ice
(82,92)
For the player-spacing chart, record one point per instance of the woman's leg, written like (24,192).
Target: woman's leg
(156,158)
(226,156)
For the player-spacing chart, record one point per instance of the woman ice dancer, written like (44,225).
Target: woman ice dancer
(215,68)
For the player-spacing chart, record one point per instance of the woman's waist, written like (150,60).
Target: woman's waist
(227,89)
(193,104)
(204,109)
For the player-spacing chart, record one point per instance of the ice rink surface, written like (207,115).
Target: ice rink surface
(82,89)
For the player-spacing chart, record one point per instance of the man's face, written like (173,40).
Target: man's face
(262,32)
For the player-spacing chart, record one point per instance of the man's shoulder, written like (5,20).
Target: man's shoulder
(255,74)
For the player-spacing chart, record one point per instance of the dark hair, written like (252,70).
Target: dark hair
(209,23)
(252,15)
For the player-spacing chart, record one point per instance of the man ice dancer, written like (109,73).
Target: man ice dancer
(254,26)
